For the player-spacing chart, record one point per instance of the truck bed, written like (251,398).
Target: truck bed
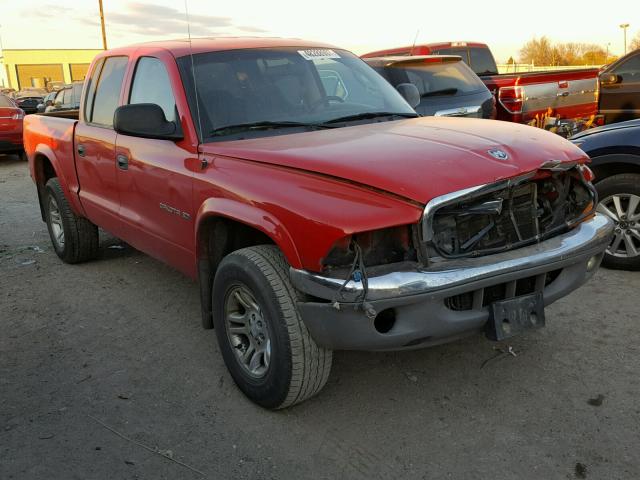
(570,94)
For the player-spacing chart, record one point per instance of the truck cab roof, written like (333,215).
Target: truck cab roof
(182,47)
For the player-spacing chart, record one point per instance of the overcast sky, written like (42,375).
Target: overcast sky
(357,25)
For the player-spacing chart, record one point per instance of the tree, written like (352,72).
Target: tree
(635,42)
(539,52)
(543,52)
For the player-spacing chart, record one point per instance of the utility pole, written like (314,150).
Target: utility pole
(624,27)
(104,33)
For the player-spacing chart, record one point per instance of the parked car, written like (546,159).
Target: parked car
(568,97)
(615,155)
(46,102)
(29,99)
(447,86)
(314,222)
(10,127)
(67,98)
(620,89)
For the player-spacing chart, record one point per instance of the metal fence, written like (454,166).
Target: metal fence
(530,67)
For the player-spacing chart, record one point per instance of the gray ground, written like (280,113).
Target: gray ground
(115,345)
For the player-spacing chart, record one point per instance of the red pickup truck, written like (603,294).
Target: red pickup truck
(314,222)
(521,97)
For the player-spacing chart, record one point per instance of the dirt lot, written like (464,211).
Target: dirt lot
(99,361)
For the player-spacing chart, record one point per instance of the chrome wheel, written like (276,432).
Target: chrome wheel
(247,331)
(623,209)
(55,219)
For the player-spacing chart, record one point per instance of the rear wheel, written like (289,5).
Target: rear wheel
(264,342)
(74,239)
(620,200)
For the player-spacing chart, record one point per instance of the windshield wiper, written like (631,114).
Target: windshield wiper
(444,91)
(366,115)
(264,125)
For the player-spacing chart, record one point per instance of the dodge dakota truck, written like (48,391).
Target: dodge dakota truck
(565,95)
(314,222)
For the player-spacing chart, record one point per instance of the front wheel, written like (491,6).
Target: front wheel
(264,342)
(620,200)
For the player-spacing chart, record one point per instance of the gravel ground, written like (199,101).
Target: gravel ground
(105,373)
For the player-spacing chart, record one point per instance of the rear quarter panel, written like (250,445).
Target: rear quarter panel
(51,138)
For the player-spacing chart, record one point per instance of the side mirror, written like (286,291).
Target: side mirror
(145,120)
(410,93)
(610,79)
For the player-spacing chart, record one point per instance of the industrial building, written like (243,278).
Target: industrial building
(24,68)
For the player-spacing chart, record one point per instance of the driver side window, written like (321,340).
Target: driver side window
(151,85)
(629,71)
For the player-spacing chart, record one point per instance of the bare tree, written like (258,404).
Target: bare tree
(543,52)
(635,42)
(538,51)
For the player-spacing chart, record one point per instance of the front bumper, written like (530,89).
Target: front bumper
(10,141)
(416,301)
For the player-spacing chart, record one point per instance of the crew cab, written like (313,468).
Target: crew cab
(568,97)
(314,222)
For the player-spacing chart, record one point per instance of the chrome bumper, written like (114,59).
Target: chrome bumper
(588,239)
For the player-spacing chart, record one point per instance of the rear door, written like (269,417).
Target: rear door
(621,100)
(154,182)
(95,144)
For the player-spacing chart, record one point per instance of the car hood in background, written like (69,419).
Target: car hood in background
(607,128)
(418,159)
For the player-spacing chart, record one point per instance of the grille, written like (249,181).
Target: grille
(483,297)
(510,217)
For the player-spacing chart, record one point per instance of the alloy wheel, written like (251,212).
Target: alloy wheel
(623,209)
(247,331)
(55,218)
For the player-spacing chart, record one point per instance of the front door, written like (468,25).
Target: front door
(620,101)
(153,179)
(95,145)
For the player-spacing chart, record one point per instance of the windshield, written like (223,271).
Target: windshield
(284,89)
(438,79)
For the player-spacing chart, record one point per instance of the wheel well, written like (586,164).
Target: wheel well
(217,237)
(608,169)
(44,171)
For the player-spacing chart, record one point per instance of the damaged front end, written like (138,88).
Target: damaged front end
(479,258)
(508,214)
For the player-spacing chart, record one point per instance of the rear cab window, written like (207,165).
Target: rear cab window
(103,94)
(452,78)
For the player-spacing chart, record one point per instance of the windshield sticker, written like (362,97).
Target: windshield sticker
(318,54)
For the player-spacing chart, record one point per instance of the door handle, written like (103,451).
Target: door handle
(81,150)
(123,161)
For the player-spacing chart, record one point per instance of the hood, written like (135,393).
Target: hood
(607,128)
(417,159)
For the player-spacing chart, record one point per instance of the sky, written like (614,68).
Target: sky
(356,25)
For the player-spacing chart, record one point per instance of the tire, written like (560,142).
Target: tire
(297,368)
(79,236)
(624,251)
(22,155)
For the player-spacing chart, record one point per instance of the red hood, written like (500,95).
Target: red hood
(418,159)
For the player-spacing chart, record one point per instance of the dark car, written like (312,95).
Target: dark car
(615,153)
(447,86)
(67,98)
(620,89)
(29,99)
